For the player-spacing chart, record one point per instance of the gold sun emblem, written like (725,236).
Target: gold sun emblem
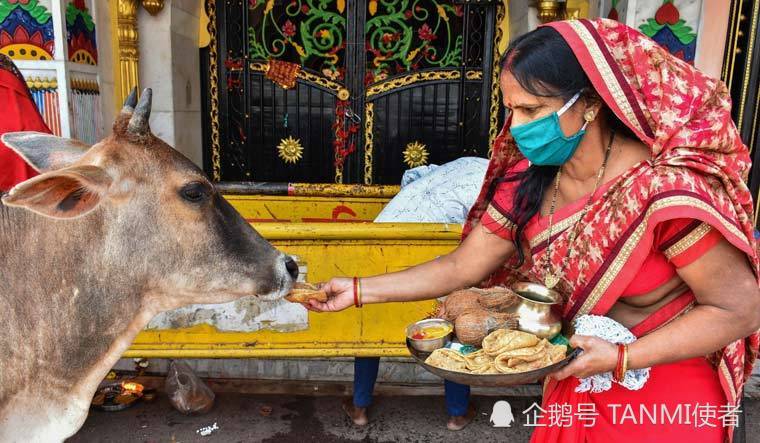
(290,150)
(415,154)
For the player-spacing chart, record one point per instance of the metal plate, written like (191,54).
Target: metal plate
(490,379)
(108,402)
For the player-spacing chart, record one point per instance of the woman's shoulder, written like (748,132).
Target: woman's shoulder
(509,181)
(520,166)
(511,175)
(669,178)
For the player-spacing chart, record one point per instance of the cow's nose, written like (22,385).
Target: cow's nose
(292,267)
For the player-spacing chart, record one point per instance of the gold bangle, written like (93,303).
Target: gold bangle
(625,362)
(359,292)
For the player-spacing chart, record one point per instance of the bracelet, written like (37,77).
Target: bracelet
(622,363)
(359,286)
(356,291)
(619,364)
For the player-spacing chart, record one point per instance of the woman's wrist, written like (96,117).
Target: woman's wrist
(621,363)
(357,292)
(369,293)
(634,362)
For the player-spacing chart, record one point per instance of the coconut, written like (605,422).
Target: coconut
(499,299)
(474,325)
(457,303)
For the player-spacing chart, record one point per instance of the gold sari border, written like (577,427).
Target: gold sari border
(723,369)
(558,228)
(500,218)
(688,241)
(605,71)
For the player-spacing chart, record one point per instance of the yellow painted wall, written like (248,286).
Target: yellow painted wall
(261,209)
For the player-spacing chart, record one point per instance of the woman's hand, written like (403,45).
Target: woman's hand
(598,356)
(340,295)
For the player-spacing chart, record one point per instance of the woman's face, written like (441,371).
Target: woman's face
(526,107)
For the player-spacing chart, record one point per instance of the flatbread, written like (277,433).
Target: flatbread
(502,340)
(524,355)
(447,359)
(303,292)
(528,354)
(523,367)
(488,369)
(528,359)
(557,353)
(518,357)
(478,360)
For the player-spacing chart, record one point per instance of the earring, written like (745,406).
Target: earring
(590,115)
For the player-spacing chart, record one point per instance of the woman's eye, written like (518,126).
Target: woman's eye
(194,192)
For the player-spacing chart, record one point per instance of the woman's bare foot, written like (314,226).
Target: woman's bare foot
(457,423)
(357,415)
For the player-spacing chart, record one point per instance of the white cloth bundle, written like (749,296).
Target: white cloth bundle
(612,331)
(437,194)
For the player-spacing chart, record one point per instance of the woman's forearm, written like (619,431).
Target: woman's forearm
(429,280)
(699,332)
(477,257)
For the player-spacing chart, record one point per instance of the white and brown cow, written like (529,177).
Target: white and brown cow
(90,250)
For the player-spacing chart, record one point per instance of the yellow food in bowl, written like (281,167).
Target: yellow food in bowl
(431,332)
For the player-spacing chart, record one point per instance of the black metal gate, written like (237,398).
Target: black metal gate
(347,91)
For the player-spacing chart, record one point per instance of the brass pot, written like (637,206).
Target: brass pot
(534,311)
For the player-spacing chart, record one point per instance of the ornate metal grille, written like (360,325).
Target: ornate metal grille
(346,91)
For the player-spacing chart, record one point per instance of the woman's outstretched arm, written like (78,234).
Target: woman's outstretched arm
(477,257)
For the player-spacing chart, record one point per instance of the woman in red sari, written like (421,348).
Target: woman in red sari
(18,114)
(618,179)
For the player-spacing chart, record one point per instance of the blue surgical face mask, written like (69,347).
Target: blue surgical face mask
(542,141)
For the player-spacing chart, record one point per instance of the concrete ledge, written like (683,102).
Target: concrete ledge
(334,376)
(328,388)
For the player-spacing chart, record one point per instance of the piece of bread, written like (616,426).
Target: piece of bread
(303,292)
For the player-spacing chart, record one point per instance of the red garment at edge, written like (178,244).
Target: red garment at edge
(19,113)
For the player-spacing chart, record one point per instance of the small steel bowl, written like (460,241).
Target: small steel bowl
(429,344)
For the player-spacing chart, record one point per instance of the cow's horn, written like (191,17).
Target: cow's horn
(138,124)
(130,102)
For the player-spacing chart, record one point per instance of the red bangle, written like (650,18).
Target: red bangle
(617,374)
(356,291)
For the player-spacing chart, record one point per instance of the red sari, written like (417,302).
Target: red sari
(19,113)
(659,215)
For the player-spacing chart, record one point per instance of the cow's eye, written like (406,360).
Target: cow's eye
(194,192)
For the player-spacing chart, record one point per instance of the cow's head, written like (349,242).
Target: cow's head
(157,217)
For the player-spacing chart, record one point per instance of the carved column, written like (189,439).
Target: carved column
(549,11)
(153,6)
(129,56)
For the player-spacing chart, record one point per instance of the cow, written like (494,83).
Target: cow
(90,250)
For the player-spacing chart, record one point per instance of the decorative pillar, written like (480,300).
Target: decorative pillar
(549,11)
(128,53)
(153,6)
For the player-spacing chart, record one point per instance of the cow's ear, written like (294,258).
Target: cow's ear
(65,193)
(45,152)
